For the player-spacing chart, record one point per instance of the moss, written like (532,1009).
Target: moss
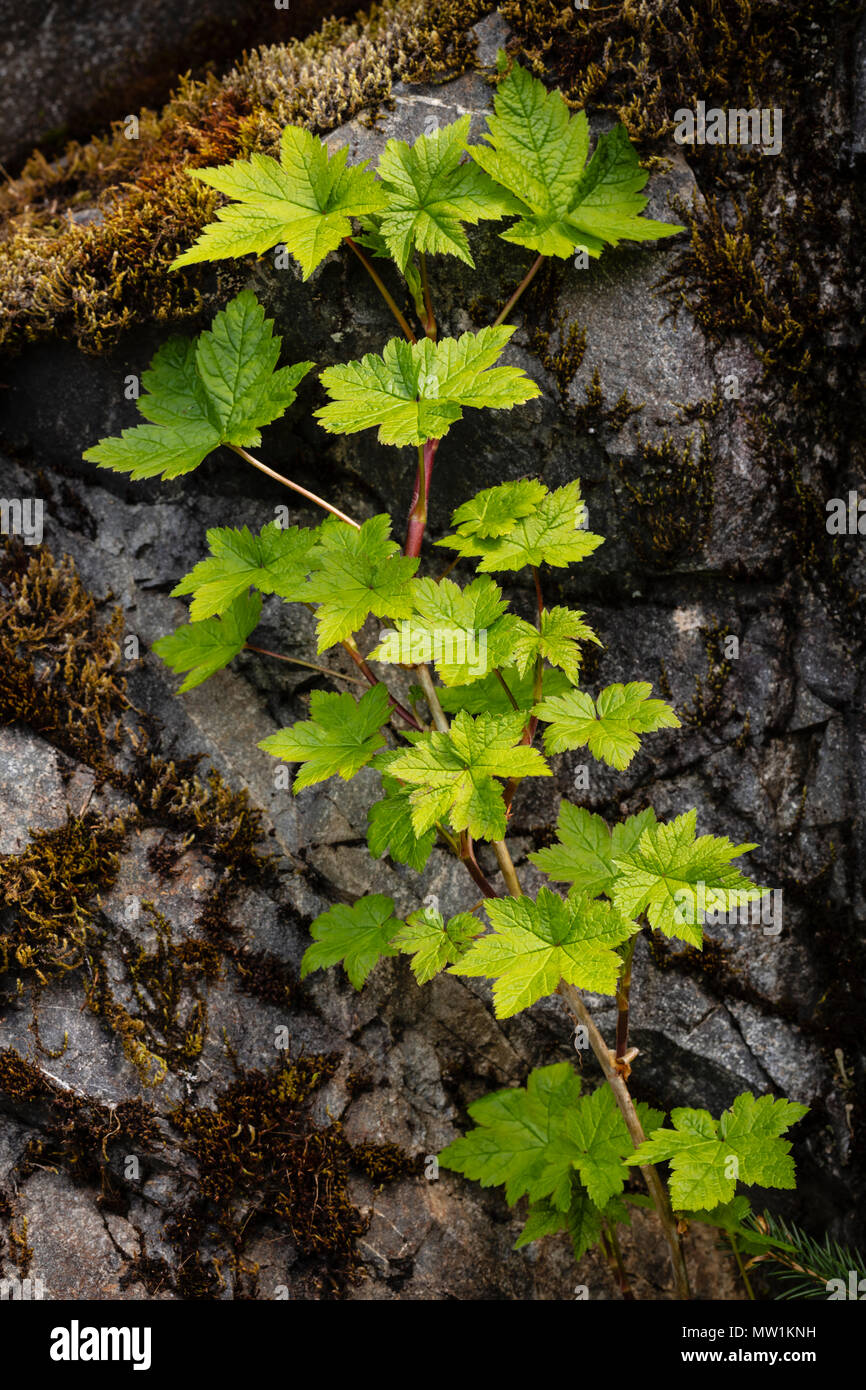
(49,891)
(261,1159)
(76,1134)
(672,502)
(65,271)
(705,709)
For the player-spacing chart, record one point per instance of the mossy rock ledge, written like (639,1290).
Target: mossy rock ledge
(172,1097)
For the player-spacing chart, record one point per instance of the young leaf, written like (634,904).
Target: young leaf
(609,727)
(555,639)
(515,1128)
(496,510)
(431,194)
(453,775)
(434,943)
(488,695)
(276,561)
(355,937)
(538,151)
(675,878)
(534,945)
(708,1157)
(551,534)
(305,202)
(533,1141)
(219,388)
(203,648)
(389,825)
(586,849)
(583,1220)
(341,737)
(465,632)
(355,573)
(416,391)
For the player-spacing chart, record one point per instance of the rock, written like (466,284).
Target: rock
(64,72)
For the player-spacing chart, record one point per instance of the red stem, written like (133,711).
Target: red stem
(420,496)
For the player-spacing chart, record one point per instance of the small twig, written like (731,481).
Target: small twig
(531,272)
(381,287)
(311,665)
(420,497)
(425,680)
(373,679)
(742,1268)
(467,857)
(296,487)
(623,991)
(504,683)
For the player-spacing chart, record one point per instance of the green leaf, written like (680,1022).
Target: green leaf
(584,855)
(465,632)
(454,775)
(431,194)
(434,943)
(538,151)
(219,388)
(355,573)
(552,534)
(355,937)
(533,1141)
(276,561)
(389,826)
(608,727)
(534,945)
(488,695)
(675,878)
(416,391)
(340,739)
(708,1157)
(555,639)
(204,648)
(497,510)
(305,202)
(582,1221)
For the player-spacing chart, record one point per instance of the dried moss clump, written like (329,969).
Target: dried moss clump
(261,1160)
(76,1134)
(87,241)
(673,500)
(48,891)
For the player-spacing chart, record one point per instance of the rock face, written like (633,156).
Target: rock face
(694,590)
(67,69)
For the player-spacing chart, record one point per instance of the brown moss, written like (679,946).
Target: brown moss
(49,891)
(88,240)
(672,501)
(76,1134)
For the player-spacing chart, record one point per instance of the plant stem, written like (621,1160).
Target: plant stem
(528,277)
(539,598)
(503,682)
(296,487)
(614,1254)
(742,1268)
(381,287)
(420,496)
(373,679)
(655,1186)
(467,857)
(623,991)
(311,665)
(425,680)
(507,869)
(430,324)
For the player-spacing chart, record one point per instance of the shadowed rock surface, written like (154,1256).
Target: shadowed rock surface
(681,439)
